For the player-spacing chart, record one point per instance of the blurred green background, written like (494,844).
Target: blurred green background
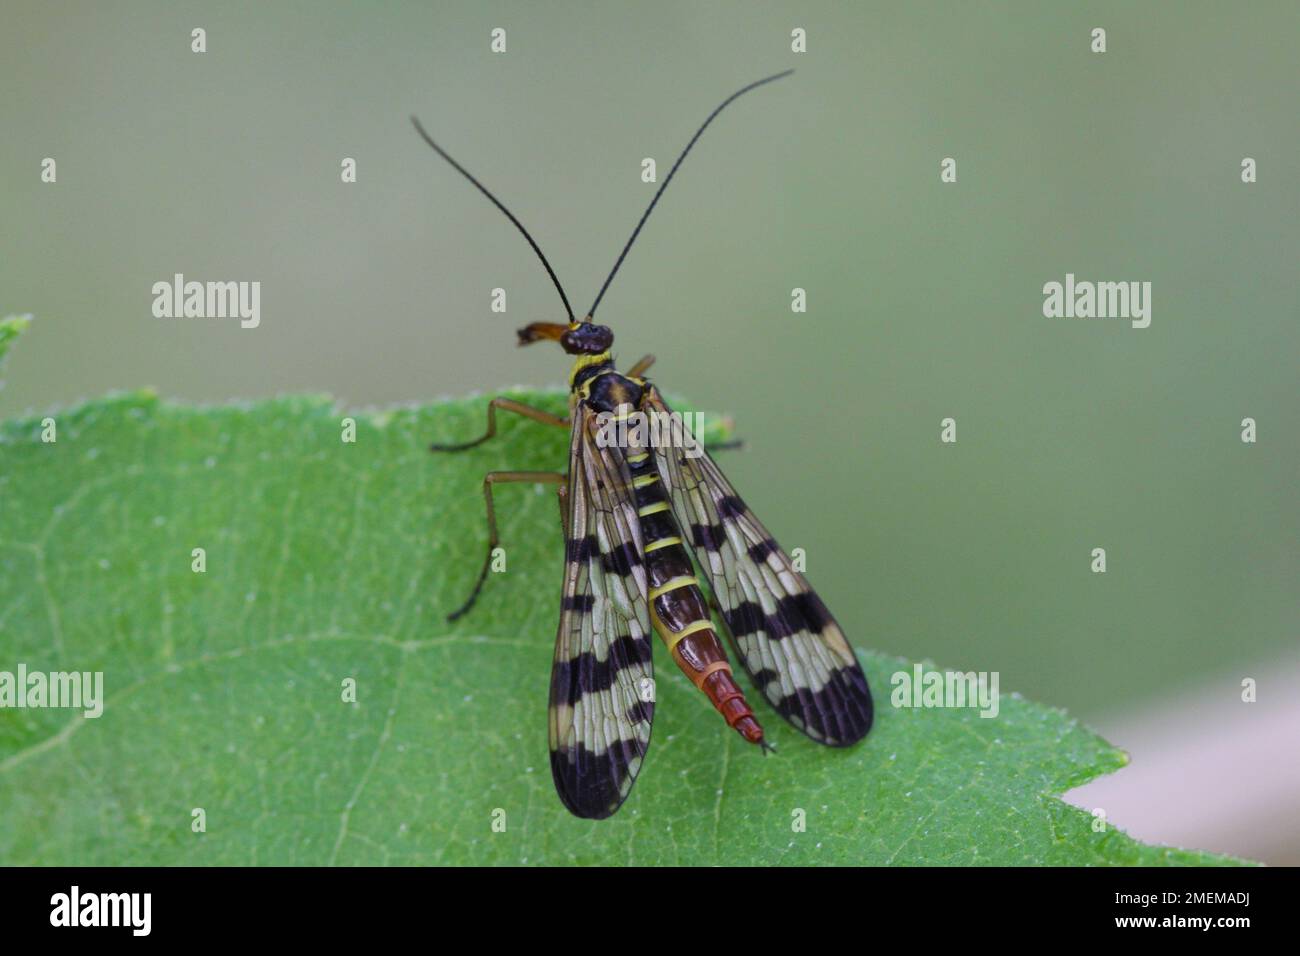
(924,299)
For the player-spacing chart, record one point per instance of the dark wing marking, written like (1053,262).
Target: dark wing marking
(602,681)
(787,639)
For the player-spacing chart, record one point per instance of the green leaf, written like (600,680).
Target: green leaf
(11,327)
(327,560)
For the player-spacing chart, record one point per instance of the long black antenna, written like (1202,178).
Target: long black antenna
(497,202)
(669,178)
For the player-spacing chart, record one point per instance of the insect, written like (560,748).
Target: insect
(634,512)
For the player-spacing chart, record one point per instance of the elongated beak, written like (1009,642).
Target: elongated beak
(537,331)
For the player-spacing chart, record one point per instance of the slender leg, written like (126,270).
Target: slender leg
(509,405)
(639,369)
(563,497)
(500,478)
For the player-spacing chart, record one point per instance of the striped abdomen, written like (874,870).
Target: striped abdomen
(678,610)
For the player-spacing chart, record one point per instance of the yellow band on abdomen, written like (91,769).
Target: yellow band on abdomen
(694,627)
(662,543)
(673,584)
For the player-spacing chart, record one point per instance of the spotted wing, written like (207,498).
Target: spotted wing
(787,639)
(602,688)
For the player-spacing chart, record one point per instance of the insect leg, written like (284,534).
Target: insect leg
(562,496)
(510,405)
(639,369)
(498,478)
(731,444)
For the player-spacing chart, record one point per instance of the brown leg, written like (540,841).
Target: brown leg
(563,497)
(499,478)
(639,369)
(510,405)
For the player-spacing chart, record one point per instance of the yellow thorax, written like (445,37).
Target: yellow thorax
(585,361)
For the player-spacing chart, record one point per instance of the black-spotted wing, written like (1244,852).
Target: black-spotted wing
(602,688)
(787,640)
